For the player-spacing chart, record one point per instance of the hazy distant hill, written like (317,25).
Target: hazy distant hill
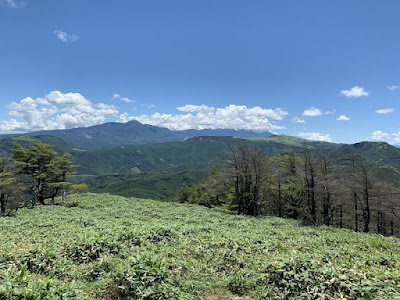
(131,133)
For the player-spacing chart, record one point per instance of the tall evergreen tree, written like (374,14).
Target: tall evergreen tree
(45,172)
(7,178)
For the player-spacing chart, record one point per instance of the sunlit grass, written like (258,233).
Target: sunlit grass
(110,247)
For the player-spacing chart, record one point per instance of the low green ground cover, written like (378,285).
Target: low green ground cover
(96,246)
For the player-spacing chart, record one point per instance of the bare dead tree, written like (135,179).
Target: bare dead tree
(249,170)
(310,185)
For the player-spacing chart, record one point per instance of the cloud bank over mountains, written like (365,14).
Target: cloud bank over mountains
(55,111)
(207,117)
(58,110)
(390,138)
(315,136)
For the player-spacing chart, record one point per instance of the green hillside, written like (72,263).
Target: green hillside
(203,152)
(153,185)
(130,165)
(197,153)
(109,247)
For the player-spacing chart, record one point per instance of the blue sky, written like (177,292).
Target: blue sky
(323,70)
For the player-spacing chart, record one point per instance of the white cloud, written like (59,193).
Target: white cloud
(393,87)
(12,126)
(315,136)
(123,99)
(393,138)
(65,37)
(196,108)
(385,111)
(275,114)
(55,111)
(230,117)
(312,112)
(298,120)
(355,92)
(123,118)
(343,118)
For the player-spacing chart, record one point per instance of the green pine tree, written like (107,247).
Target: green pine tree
(7,178)
(46,172)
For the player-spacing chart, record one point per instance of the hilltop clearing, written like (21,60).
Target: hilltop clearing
(109,247)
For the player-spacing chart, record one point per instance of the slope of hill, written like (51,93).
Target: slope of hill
(203,152)
(196,153)
(156,186)
(59,145)
(131,133)
(109,247)
(131,164)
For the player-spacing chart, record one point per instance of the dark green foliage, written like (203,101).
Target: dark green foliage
(193,154)
(44,172)
(155,186)
(144,277)
(7,180)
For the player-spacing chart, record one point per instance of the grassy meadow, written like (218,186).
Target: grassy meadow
(100,246)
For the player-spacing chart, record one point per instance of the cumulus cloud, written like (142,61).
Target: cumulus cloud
(355,92)
(65,37)
(393,87)
(315,136)
(343,118)
(298,120)
(275,114)
(13,126)
(393,138)
(312,112)
(203,117)
(123,99)
(385,111)
(196,108)
(55,111)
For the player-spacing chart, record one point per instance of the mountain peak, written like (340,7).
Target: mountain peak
(113,134)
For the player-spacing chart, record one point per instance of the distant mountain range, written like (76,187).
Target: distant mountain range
(131,133)
(139,160)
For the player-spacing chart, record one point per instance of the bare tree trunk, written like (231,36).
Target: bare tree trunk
(366,210)
(280,210)
(340,215)
(3,203)
(355,211)
(309,175)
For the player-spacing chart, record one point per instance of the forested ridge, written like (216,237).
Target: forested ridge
(348,186)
